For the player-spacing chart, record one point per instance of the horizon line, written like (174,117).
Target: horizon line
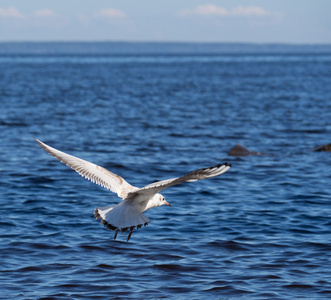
(168,42)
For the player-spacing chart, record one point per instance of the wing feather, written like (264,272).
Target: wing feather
(92,172)
(200,174)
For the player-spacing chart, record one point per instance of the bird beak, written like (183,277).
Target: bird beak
(167,203)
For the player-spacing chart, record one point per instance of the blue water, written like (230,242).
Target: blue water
(260,231)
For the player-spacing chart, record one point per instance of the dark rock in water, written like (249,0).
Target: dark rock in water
(326,148)
(239,150)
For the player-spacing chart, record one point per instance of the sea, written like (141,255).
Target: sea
(262,230)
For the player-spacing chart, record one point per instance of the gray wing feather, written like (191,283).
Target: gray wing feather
(200,174)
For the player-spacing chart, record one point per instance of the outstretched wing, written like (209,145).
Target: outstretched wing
(90,171)
(205,173)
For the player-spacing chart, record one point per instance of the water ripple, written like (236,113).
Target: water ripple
(260,231)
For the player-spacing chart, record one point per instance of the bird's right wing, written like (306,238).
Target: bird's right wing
(204,173)
(90,171)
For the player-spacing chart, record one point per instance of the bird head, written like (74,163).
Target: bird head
(163,201)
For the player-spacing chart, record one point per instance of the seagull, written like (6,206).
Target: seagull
(128,214)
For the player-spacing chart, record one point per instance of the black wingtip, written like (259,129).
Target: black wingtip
(224,164)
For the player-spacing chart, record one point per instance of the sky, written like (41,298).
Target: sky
(257,21)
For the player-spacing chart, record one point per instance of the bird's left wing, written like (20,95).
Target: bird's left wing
(95,173)
(205,173)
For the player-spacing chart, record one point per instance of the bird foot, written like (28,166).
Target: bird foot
(131,230)
(116,232)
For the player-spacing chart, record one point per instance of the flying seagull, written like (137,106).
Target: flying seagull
(128,214)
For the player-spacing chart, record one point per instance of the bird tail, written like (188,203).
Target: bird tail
(122,217)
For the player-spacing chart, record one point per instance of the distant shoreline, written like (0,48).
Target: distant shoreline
(150,48)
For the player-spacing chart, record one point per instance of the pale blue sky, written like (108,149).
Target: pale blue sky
(262,21)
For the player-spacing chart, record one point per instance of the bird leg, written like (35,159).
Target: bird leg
(131,230)
(116,234)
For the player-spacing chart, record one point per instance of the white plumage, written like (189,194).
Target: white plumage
(128,214)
